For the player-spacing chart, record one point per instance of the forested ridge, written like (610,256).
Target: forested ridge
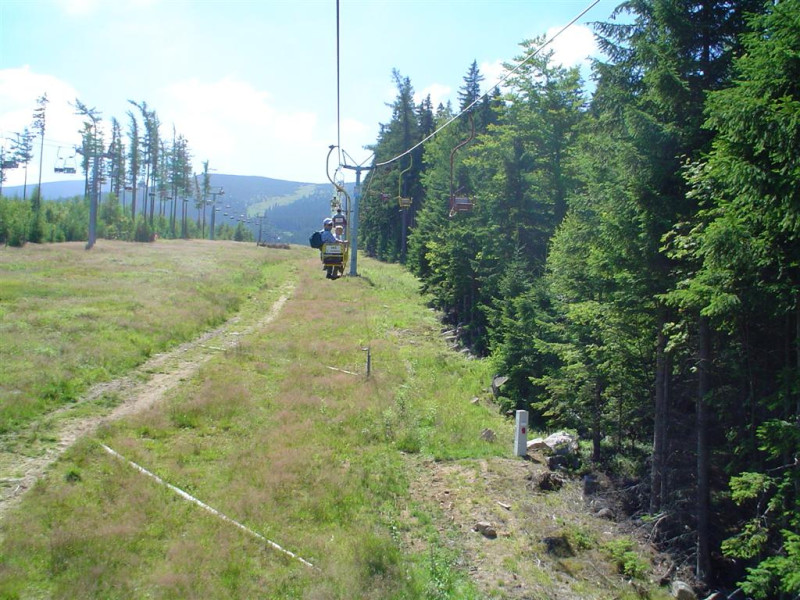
(630,262)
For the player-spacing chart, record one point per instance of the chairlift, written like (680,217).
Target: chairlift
(10,164)
(65,164)
(459,201)
(334,257)
(460,204)
(60,163)
(402,200)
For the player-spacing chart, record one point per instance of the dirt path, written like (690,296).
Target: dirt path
(21,465)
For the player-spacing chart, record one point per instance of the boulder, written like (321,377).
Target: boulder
(605,513)
(682,591)
(497,383)
(537,445)
(485,528)
(559,443)
(550,481)
(562,443)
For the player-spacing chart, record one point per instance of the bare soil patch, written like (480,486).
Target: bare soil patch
(534,553)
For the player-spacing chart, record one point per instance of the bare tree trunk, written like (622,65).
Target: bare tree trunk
(658,476)
(797,352)
(596,420)
(703,570)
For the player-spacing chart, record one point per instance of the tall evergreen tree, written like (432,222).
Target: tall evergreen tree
(22,150)
(663,63)
(39,126)
(381,221)
(134,160)
(745,276)
(116,164)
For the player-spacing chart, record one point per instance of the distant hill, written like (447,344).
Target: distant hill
(55,190)
(293,209)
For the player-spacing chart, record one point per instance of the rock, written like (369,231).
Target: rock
(557,462)
(717,596)
(486,528)
(682,591)
(497,383)
(605,513)
(537,445)
(550,481)
(560,443)
(488,435)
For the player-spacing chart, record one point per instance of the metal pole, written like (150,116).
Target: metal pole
(353,224)
(213,219)
(354,227)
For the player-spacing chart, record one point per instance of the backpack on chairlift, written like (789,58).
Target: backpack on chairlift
(316,240)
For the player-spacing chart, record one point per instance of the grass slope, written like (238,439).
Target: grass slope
(376,481)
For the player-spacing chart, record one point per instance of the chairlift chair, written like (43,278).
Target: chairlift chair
(458,201)
(70,165)
(402,200)
(460,204)
(59,166)
(334,256)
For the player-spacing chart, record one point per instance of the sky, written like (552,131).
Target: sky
(252,84)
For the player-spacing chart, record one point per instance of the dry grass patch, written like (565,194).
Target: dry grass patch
(72,318)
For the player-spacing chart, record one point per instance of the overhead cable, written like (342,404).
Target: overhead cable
(496,84)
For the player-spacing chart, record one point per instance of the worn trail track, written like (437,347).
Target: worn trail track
(138,390)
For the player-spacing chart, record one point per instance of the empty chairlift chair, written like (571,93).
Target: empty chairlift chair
(459,200)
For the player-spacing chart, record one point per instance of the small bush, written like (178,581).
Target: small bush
(628,562)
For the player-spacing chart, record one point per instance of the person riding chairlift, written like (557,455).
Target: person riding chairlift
(339,219)
(328,237)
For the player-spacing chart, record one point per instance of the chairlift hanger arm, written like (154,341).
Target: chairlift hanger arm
(458,147)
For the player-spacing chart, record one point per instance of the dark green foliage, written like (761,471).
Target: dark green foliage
(632,266)
(743,272)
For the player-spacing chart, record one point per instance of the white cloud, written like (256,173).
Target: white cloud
(574,46)
(492,73)
(238,128)
(19,90)
(439,94)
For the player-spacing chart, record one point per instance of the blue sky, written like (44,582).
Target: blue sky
(251,84)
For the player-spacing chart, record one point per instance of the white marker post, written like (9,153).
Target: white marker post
(521,434)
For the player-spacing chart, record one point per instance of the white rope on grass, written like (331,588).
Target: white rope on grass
(343,371)
(205,506)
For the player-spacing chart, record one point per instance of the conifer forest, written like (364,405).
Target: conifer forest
(630,260)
